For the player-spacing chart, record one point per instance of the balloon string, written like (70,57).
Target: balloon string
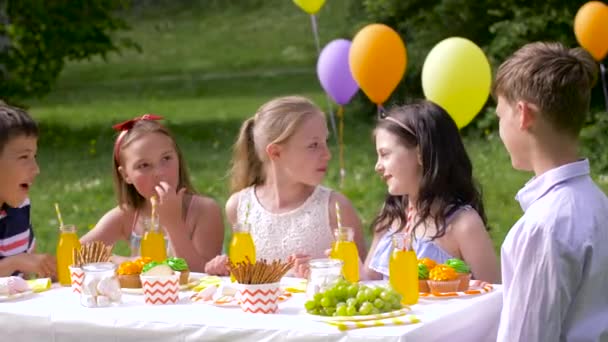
(340,115)
(603,76)
(315,33)
(381,111)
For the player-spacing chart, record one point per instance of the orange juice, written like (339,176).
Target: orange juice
(241,246)
(403,273)
(345,249)
(68,240)
(153,245)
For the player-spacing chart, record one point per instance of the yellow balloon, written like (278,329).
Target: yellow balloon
(310,6)
(457,76)
(591,28)
(377,60)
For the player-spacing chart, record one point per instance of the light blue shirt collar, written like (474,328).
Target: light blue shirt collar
(537,187)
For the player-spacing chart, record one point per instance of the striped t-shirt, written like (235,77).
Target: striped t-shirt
(16,234)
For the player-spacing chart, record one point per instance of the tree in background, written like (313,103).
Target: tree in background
(38,37)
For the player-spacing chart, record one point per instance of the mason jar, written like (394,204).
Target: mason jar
(100,287)
(323,274)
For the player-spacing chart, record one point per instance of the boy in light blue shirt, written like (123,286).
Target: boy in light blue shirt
(554,259)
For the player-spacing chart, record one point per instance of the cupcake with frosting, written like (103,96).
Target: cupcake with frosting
(423,276)
(129,271)
(429,263)
(152,264)
(180,265)
(443,278)
(463,270)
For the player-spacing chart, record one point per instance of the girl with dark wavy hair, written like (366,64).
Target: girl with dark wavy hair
(431,193)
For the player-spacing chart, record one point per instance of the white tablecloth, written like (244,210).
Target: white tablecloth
(57,315)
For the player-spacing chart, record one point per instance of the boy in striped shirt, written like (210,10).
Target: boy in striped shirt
(18,168)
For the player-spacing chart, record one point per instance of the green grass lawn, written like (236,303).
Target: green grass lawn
(206,71)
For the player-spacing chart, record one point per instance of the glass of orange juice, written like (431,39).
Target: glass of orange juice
(68,241)
(345,249)
(153,242)
(241,245)
(403,269)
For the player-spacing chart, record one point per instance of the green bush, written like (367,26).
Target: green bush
(594,139)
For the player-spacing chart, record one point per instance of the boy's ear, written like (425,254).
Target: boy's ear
(527,114)
(273,151)
(124,175)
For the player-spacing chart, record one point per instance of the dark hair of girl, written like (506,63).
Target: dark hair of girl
(447,173)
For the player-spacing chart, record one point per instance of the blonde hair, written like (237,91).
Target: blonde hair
(126,194)
(273,123)
(556,79)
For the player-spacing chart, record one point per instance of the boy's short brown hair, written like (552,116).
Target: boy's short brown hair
(556,79)
(15,122)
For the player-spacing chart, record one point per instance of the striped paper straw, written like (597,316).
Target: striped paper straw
(403,320)
(59,215)
(338,217)
(152,212)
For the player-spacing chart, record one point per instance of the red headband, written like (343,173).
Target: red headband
(124,127)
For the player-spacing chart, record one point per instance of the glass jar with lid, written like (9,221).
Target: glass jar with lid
(323,274)
(101,286)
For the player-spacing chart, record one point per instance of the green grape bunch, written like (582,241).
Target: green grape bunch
(353,299)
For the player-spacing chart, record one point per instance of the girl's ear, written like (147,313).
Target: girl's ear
(419,155)
(124,175)
(273,151)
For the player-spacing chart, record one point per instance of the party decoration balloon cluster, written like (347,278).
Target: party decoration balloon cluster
(375,61)
(456,74)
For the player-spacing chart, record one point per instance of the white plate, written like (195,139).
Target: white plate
(16,296)
(475,289)
(230,301)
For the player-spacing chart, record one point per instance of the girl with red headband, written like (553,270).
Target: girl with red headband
(148,163)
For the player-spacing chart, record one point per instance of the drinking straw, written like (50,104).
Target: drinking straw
(338,218)
(247,213)
(152,212)
(59,215)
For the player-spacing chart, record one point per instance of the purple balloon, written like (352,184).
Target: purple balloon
(334,72)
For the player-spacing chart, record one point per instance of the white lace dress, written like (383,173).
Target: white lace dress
(303,230)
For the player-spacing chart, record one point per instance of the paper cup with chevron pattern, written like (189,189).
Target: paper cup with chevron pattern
(76,278)
(161,289)
(259,298)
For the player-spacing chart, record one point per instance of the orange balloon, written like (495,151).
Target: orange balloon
(591,28)
(377,60)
